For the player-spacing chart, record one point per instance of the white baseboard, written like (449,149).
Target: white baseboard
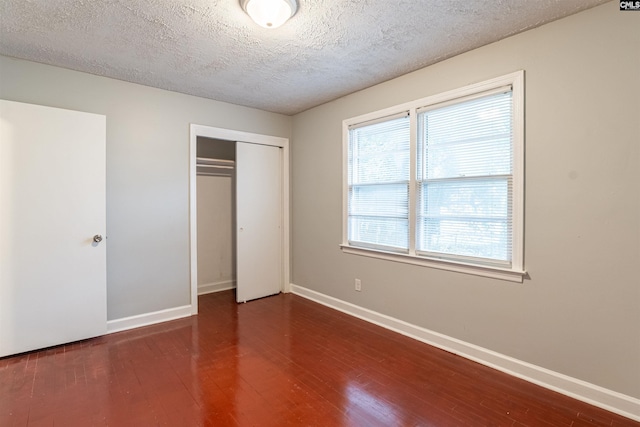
(209,288)
(618,403)
(147,319)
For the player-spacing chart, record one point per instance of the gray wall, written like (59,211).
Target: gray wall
(579,314)
(216,248)
(147,172)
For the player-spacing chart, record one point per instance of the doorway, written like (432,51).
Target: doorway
(251,143)
(216,215)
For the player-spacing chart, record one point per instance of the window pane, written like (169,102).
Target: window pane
(468,218)
(379,152)
(474,238)
(469,158)
(389,200)
(376,231)
(391,166)
(378,199)
(472,138)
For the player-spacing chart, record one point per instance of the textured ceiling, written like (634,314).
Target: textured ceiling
(211,48)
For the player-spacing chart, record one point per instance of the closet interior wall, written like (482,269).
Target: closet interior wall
(215,189)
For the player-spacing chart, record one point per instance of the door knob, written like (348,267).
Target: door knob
(97,238)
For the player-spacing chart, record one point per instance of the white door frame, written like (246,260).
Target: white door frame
(234,136)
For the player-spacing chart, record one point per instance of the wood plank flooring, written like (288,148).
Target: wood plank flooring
(278,361)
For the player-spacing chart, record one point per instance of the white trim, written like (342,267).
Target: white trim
(232,136)
(400,115)
(147,319)
(458,99)
(517,87)
(237,135)
(413,184)
(193,215)
(209,288)
(592,394)
(457,266)
(345,183)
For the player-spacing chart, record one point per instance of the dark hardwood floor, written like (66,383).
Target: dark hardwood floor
(279,361)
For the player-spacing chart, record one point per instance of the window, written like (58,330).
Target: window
(439,181)
(379,184)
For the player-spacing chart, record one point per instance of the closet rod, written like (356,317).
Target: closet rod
(216,166)
(213,174)
(202,161)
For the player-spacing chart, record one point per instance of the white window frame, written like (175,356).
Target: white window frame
(516,271)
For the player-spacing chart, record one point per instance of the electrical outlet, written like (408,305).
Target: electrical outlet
(358,285)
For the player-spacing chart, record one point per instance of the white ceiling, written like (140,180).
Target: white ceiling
(212,49)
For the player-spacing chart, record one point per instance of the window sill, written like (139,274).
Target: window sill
(476,270)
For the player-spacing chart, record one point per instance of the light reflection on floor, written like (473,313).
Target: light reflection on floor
(361,404)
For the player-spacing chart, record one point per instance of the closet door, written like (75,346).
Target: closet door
(52,220)
(258,220)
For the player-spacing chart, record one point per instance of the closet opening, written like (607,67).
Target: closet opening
(216,216)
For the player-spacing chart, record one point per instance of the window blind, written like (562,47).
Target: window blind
(378,184)
(464,182)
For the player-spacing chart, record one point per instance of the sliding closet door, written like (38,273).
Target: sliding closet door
(258,220)
(52,226)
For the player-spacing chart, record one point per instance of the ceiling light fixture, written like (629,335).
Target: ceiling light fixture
(269,13)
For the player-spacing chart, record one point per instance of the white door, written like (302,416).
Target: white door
(52,204)
(258,221)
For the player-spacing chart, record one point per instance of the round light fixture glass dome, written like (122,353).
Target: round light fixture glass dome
(270,13)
